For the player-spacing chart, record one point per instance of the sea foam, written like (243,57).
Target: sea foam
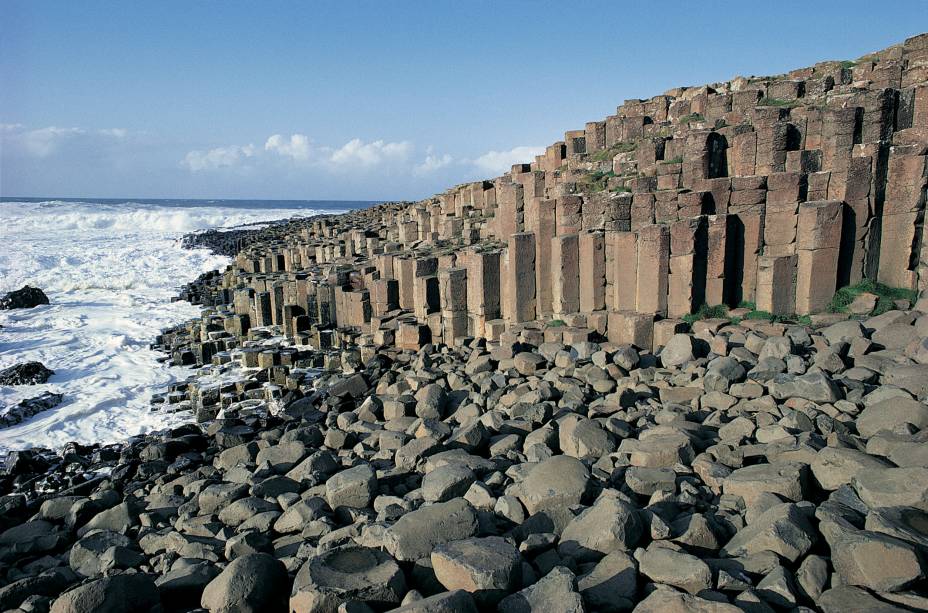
(110,271)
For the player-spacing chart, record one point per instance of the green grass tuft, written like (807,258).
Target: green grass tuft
(607,154)
(556,323)
(848,64)
(885,296)
(719,311)
(778,102)
(692,117)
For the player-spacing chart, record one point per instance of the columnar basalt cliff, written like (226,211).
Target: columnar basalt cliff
(768,191)
(677,363)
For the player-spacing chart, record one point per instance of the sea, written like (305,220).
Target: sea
(109,268)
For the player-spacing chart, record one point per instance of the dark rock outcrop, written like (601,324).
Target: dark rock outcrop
(27,373)
(24,298)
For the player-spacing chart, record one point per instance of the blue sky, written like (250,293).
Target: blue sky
(362,100)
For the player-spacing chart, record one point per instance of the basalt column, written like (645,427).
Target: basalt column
(818,245)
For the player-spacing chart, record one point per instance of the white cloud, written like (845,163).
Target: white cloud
(356,152)
(219,157)
(115,132)
(498,162)
(43,142)
(432,162)
(297,147)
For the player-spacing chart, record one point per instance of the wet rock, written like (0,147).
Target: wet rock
(26,297)
(27,373)
(29,408)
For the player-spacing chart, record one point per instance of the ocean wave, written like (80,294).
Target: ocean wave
(110,272)
(133,218)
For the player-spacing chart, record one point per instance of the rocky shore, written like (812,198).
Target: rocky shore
(593,393)
(745,466)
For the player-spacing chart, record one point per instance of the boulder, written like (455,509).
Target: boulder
(678,351)
(612,584)
(891,413)
(609,525)
(556,483)
(457,601)
(29,407)
(667,600)
(113,594)
(354,488)
(875,561)
(553,592)
(489,567)
(721,373)
(416,534)
(676,568)
(86,556)
(783,529)
(814,386)
(347,574)
(254,583)
(836,466)
(431,401)
(786,479)
(446,482)
(893,487)
(528,363)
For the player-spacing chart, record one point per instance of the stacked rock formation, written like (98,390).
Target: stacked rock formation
(773,191)
(489,400)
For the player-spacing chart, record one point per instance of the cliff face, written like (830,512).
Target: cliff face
(769,191)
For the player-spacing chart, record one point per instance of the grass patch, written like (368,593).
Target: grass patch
(692,117)
(607,154)
(556,323)
(848,64)
(598,181)
(778,102)
(885,296)
(676,160)
(719,311)
(744,304)
(622,189)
